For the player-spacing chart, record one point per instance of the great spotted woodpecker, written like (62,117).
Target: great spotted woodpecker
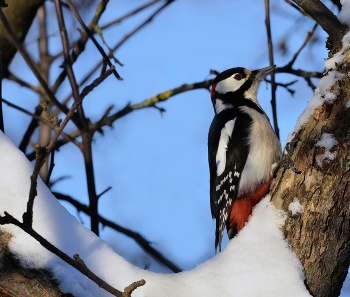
(242,149)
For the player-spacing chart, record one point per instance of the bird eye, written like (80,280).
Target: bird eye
(237,76)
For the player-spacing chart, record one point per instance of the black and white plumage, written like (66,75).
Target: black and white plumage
(242,146)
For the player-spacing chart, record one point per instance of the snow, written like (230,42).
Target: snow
(295,207)
(257,262)
(327,141)
(323,91)
(344,15)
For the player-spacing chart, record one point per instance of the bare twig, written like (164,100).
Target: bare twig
(297,8)
(80,45)
(91,36)
(126,37)
(307,75)
(30,63)
(41,119)
(41,155)
(44,68)
(52,165)
(139,239)
(99,124)
(286,85)
(272,74)
(23,83)
(307,39)
(67,61)
(104,192)
(310,84)
(108,121)
(129,14)
(96,82)
(325,18)
(79,265)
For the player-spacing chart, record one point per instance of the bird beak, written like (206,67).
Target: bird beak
(261,73)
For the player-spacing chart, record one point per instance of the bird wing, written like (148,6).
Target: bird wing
(227,152)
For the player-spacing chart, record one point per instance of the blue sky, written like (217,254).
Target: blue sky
(157,164)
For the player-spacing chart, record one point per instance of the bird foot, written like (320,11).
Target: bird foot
(286,161)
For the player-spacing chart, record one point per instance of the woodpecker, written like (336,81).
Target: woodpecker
(242,149)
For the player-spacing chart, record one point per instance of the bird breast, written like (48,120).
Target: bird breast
(265,149)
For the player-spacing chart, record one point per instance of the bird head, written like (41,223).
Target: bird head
(236,83)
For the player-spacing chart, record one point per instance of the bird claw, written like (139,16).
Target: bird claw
(286,161)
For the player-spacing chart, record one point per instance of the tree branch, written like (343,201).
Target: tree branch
(126,37)
(80,46)
(272,74)
(325,18)
(41,119)
(31,63)
(129,14)
(108,121)
(91,36)
(139,239)
(67,61)
(77,263)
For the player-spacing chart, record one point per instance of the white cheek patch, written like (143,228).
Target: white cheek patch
(229,85)
(226,133)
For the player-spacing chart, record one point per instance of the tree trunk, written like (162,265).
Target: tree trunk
(18,281)
(320,235)
(20,14)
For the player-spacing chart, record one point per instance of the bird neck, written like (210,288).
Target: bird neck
(231,101)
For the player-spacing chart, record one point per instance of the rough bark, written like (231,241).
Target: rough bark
(18,281)
(320,235)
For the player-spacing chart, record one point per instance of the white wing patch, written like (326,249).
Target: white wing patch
(226,133)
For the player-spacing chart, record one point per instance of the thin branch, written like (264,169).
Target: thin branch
(307,39)
(156,99)
(272,74)
(52,165)
(30,63)
(91,36)
(299,72)
(31,127)
(23,83)
(139,239)
(129,14)
(126,37)
(104,192)
(41,119)
(79,265)
(286,85)
(67,61)
(297,8)
(99,124)
(310,84)
(108,121)
(96,82)
(325,18)
(41,155)
(148,20)
(307,75)
(80,45)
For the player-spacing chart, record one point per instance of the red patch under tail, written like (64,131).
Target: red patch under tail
(242,207)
